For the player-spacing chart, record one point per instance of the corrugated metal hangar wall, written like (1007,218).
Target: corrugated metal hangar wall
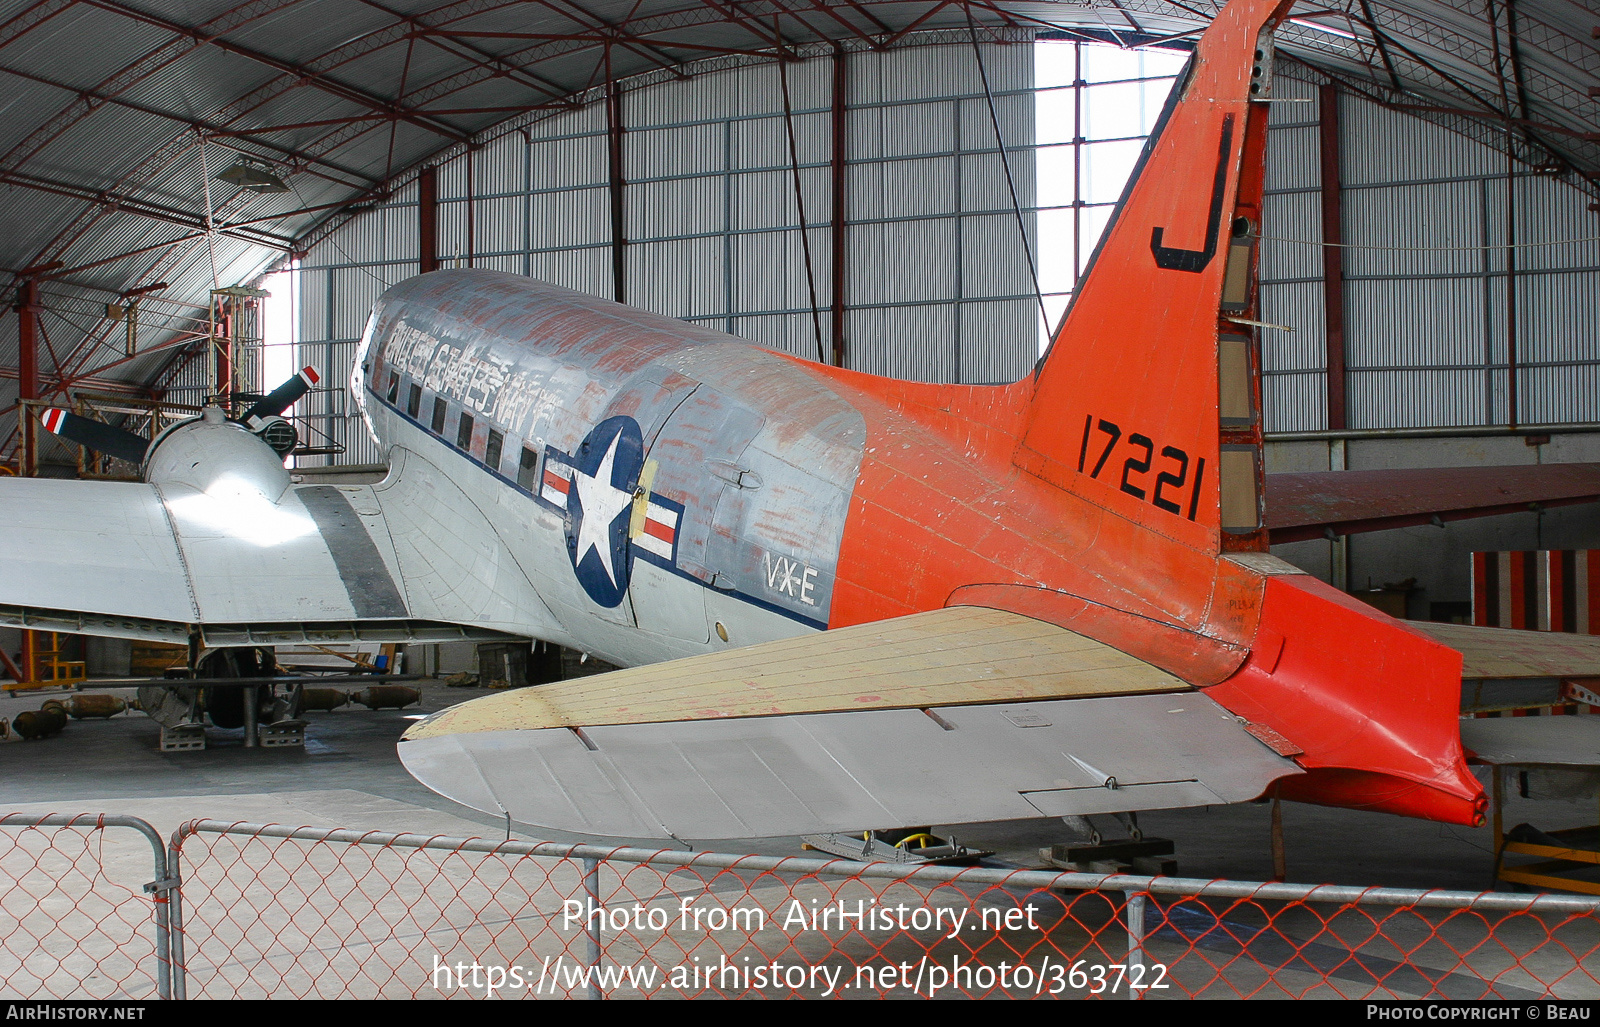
(1428,335)
(937,280)
(937,284)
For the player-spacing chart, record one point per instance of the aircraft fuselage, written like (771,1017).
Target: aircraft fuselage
(669,490)
(661,485)
(669,485)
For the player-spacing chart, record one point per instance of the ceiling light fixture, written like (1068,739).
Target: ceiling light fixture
(1322,27)
(248,175)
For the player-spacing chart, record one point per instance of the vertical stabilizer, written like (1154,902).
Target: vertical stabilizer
(1147,403)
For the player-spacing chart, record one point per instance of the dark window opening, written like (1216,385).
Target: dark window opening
(439,409)
(414,401)
(464,432)
(530,461)
(491,452)
(394,387)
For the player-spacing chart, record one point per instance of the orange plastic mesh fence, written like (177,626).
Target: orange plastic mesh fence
(76,920)
(342,915)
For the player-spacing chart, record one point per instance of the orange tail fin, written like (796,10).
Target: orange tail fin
(1146,403)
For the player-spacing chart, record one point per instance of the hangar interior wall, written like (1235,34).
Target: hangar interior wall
(937,284)
(1429,338)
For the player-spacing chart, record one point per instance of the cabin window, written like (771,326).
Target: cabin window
(530,462)
(414,401)
(464,432)
(439,410)
(394,387)
(491,452)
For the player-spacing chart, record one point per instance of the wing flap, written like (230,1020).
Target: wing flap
(249,560)
(785,775)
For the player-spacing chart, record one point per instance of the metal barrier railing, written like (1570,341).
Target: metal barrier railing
(77,921)
(274,911)
(689,923)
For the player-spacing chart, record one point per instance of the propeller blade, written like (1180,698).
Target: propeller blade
(283,397)
(95,435)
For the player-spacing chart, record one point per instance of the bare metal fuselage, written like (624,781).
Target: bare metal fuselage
(730,471)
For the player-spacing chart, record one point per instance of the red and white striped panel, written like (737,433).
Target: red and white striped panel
(53,419)
(660,531)
(554,484)
(1538,590)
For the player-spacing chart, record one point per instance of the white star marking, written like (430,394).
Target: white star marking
(602,502)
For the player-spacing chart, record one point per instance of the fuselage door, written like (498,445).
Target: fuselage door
(694,463)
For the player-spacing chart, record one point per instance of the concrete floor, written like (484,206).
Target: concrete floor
(348,775)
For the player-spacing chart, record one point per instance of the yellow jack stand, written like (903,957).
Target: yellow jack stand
(42,666)
(1577,850)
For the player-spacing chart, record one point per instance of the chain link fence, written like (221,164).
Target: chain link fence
(84,909)
(267,911)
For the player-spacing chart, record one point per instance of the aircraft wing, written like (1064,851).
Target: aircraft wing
(1506,669)
(951,716)
(1490,653)
(324,562)
(1534,741)
(1309,504)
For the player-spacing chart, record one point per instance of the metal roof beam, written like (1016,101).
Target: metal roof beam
(744,20)
(306,76)
(61,271)
(859,8)
(482,58)
(915,24)
(139,208)
(1359,88)
(620,36)
(1383,50)
(29,19)
(210,129)
(128,75)
(594,37)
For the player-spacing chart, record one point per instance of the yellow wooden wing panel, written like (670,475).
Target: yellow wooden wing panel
(958,656)
(1506,653)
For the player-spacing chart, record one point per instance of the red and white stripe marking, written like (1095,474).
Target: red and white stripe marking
(53,419)
(660,531)
(554,485)
(308,374)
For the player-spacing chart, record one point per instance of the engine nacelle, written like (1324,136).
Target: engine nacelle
(209,453)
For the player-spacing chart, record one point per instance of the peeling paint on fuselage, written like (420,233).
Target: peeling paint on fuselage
(749,457)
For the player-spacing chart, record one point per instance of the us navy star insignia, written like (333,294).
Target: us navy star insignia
(601,479)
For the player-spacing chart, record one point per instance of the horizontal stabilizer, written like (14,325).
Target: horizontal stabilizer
(944,717)
(751,777)
(1534,741)
(945,657)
